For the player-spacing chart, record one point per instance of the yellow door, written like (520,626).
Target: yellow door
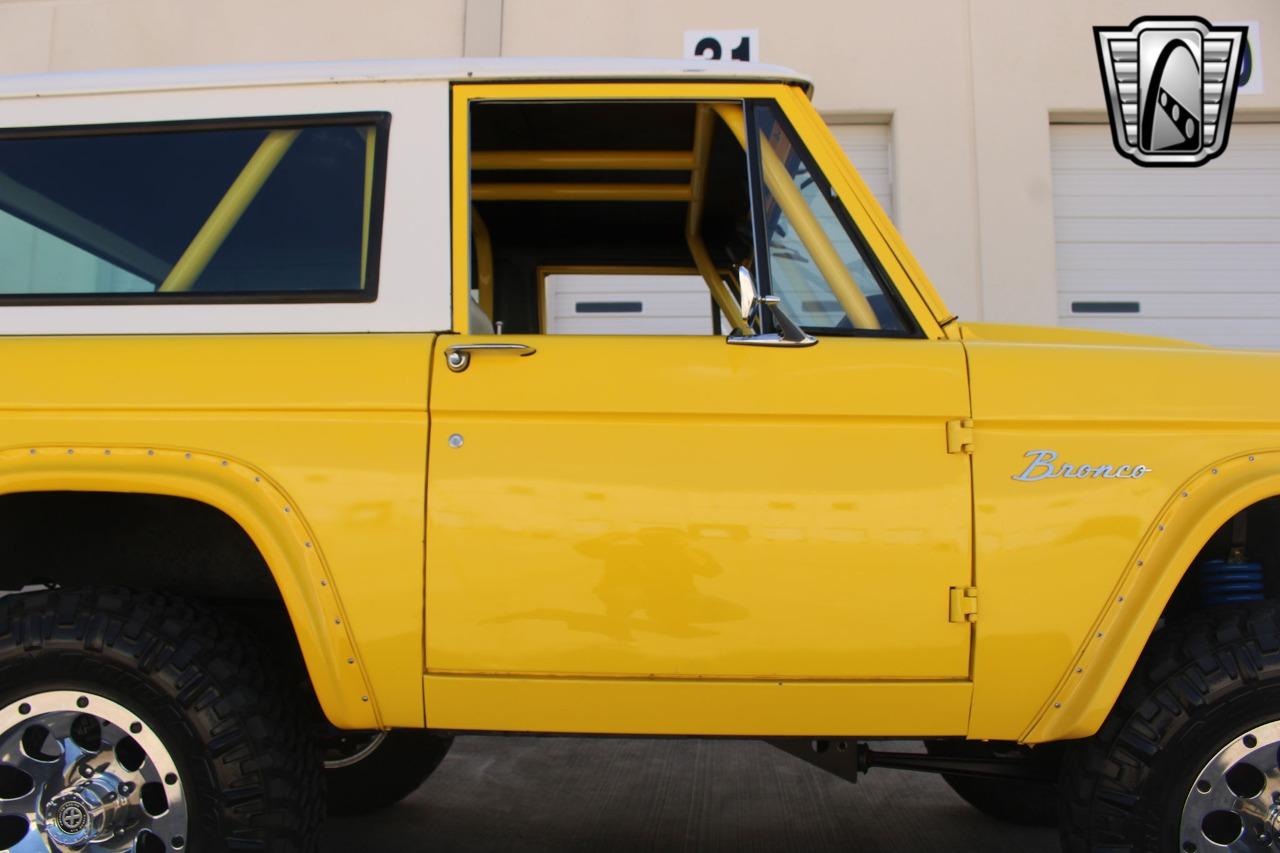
(684,507)
(661,508)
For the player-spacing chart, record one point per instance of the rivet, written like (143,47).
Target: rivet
(225,463)
(1099,634)
(455,441)
(1120,599)
(1079,669)
(337,621)
(1250,458)
(1141,563)
(257,479)
(151,453)
(351,660)
(70,452)
(1185,495)
(106,453)
(1214,471)
(33,451)
(187,455)
(1160,528)
(286,509)
(364,698)
(323,582)
(1057,704)
(307,544)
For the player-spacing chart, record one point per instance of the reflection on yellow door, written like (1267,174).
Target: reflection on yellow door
(681,507)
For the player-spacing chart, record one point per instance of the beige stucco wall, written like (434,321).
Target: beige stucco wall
(970,86)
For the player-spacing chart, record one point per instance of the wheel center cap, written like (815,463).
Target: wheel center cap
(88,811)
(72,816)
(75,819)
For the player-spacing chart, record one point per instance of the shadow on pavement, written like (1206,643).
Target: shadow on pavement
(556,794)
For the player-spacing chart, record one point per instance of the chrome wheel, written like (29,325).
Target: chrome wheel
(1234,802)
(350,749)
(80,772)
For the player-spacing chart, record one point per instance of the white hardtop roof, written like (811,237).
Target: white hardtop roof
(371,71)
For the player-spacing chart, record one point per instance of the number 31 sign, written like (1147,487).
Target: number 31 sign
(742,45)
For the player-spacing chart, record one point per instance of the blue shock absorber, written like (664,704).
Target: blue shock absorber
(1227,582)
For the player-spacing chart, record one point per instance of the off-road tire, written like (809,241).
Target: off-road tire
(245,752)
(1017,802)
(393,771)
(1200,684)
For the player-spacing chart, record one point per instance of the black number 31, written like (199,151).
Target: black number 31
(709,48)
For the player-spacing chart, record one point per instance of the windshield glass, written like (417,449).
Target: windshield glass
(818,265)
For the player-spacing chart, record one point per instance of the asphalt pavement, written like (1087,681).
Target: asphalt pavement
(620,795)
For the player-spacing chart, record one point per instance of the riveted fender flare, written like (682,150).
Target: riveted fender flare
(1203,504)
(262,509)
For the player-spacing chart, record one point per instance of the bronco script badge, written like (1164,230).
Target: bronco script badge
(1171,87)
(1044,467)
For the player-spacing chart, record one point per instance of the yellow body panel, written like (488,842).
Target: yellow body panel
(687,707)
(682,508)
(1054,556)
(332,427)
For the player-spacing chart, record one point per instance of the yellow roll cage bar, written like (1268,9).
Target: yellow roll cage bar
(260,166)
(776,177)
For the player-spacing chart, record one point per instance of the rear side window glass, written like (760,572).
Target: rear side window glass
(269,212)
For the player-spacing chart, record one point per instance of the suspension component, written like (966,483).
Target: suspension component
(1234,580)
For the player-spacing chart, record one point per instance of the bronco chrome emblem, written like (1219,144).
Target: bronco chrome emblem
(1043,467)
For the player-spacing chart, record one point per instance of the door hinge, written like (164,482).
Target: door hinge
(960,436)
(964,604)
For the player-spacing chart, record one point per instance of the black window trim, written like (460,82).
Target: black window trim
(380,120)
(756,183)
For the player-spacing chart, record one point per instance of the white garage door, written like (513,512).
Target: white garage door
(1182,253)
(868,147)
(624,304)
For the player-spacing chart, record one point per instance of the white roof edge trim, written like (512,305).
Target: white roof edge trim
(386,71)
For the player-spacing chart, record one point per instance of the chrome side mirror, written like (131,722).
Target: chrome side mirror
(750,304)
(747,297)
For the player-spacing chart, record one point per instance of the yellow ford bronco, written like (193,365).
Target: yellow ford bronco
(348,407)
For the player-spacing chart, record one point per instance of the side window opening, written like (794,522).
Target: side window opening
(581,217)
(629,217)
(268,211)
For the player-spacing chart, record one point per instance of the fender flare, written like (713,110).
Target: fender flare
(263,510)
(1101,667)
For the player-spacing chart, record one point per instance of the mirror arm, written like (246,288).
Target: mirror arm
(787,328)
(752,308)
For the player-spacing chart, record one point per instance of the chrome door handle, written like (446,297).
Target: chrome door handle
(458,356)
